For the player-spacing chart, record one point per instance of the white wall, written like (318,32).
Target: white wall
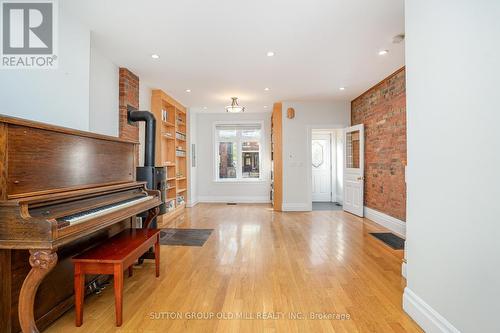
(56,96)
(104,94)
(453,229)
(211,191)
(296,146)
(82,93)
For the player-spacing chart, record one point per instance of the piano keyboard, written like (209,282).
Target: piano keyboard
(92,213)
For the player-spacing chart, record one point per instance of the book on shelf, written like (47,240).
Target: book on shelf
(170,205)
(164,115)
(180,136)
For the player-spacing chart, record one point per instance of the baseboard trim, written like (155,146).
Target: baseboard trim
(191,204)
(296,207)
(391,223)
(223,199)
(424,315)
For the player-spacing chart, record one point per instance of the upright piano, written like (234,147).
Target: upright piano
(61,191)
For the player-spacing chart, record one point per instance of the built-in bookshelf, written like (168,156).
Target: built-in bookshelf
(171,150)
(277,157)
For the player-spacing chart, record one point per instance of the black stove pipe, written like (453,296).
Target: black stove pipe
(149,144)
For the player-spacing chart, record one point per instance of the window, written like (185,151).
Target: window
(352,150)
(238,151)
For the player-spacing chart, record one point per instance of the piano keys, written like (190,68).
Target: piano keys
(73,219)
(59,189)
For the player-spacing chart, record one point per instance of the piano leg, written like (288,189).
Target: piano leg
(42,262)
(152,213)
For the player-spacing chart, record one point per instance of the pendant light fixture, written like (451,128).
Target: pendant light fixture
(234,107)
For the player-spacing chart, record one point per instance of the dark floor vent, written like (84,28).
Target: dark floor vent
(396,242)
(184,237)
(231,203)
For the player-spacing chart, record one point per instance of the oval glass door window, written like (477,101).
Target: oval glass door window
(317,154)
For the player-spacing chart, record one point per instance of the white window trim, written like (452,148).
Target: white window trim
(239,179)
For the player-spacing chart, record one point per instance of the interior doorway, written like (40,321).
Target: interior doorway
(326,169)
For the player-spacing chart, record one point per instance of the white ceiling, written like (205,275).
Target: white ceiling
(217,48)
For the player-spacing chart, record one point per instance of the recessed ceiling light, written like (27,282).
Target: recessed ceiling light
(188,90)
(265,106)
(155,56)
(267,89)
(342,88)
(204,108)
(270,54)
(383,52)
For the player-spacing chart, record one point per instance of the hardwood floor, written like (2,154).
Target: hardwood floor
(261,263)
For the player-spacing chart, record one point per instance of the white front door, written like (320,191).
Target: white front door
(321,167)
(354,167)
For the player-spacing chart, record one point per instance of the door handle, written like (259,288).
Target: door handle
(361,178)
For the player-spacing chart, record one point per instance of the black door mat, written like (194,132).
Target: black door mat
(184,237)
(396,242)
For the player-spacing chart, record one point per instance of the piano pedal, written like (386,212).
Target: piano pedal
(93,288)
(103,284)
(148,255)
(96,287)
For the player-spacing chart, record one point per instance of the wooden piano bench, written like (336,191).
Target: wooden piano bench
(113,257)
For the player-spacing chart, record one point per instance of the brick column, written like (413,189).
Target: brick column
(129,95)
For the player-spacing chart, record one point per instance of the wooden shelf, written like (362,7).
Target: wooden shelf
(181,110)
(173,119)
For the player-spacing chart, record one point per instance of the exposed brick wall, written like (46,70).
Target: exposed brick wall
(129,95)
(382,110)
